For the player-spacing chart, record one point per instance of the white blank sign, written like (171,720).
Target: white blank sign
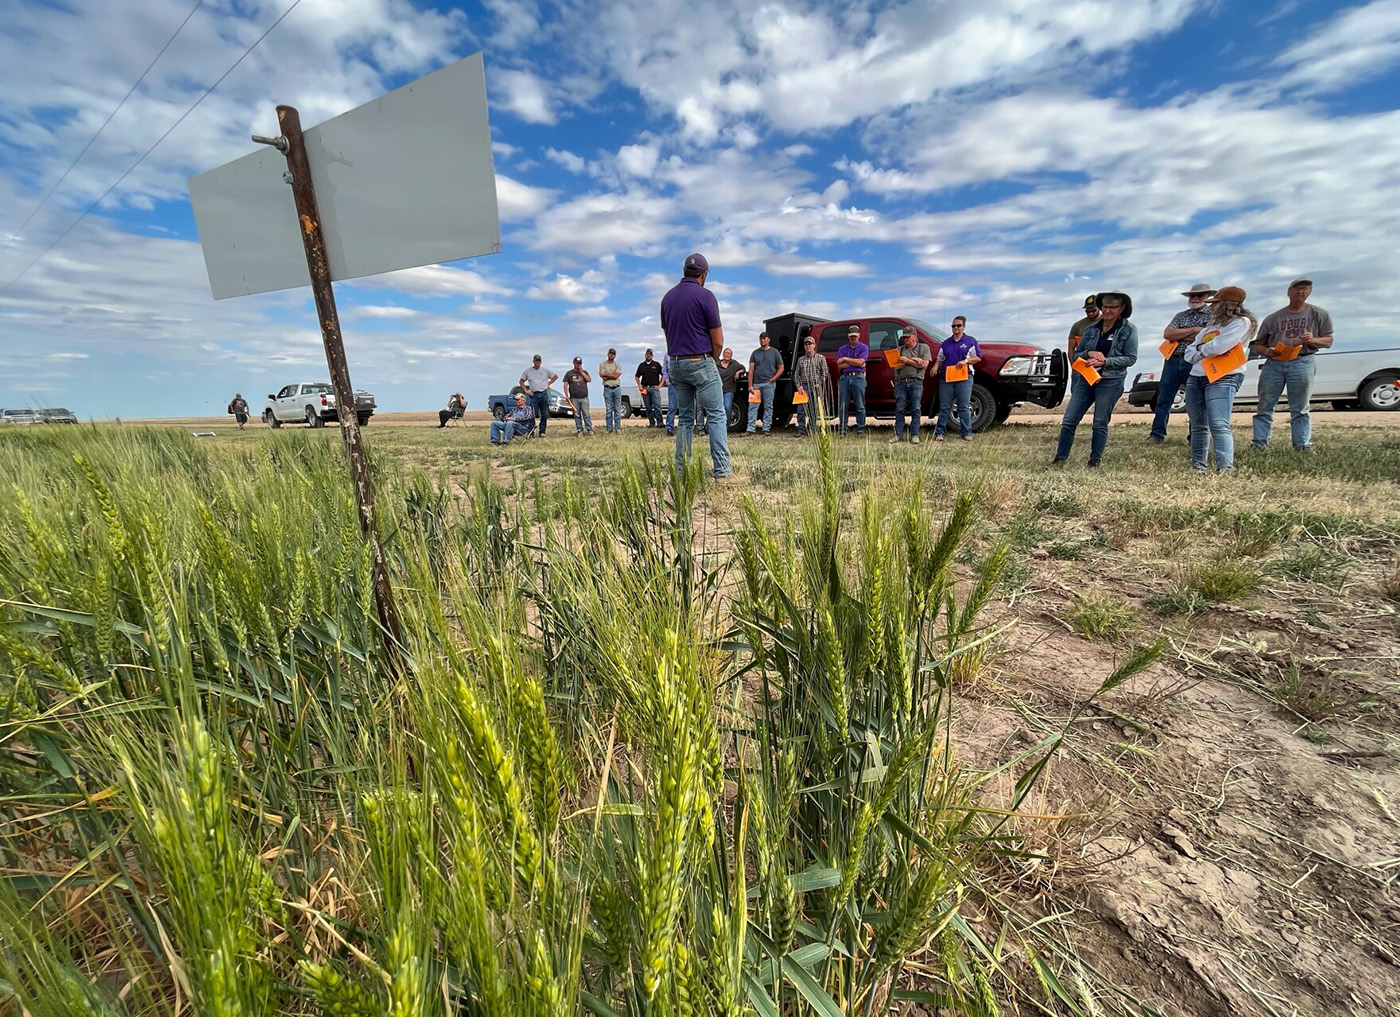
(402,181)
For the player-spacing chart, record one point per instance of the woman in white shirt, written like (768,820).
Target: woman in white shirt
(1209,403)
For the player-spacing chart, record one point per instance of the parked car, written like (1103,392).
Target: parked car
(19,417)
(1010,372)
(1349,379)
(57,415)
(312,402)
(499,405)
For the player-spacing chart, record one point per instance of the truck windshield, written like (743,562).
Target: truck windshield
(936,334)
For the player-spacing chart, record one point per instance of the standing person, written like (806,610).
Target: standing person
(1209,403)
(1183,330)
(811,375)
(456,406)
(1091,315)
(1109,346)
(238,406)
(536,381)
(670,396)
(520,420)
(694,338)
(576,388)
(914,358)
(648,379)
(765,368)
(610,371)
(730,371)
(1289,338)
(850,362)
(957,350)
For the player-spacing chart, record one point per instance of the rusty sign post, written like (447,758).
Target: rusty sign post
(292,144)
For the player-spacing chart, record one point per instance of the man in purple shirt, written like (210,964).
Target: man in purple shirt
(694,339)
(850,361)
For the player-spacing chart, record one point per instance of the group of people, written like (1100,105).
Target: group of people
(1205,348)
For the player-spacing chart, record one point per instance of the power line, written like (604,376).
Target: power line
(72,165)
(138,162)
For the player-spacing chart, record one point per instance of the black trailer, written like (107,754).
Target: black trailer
(785,334)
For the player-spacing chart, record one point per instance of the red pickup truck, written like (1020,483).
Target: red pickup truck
(1009,373)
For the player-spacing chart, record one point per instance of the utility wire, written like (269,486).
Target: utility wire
(72,165)
(148,151)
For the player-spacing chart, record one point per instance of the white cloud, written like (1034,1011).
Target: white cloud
(526,96)
(435,281)
(516,201)
(637,160)
(373,311)
(571,162)
(586,289)
(598,224)
(1360,43)
(815,268)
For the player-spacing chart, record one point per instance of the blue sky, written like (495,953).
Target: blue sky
(993,158)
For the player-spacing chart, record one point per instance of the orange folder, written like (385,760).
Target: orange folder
(1167,349)
(1086,372)
(955,372)
(799,397)
(1288,352)
(892,357)
(754,397)
(1226,363)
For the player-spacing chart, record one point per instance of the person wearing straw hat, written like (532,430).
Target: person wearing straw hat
(1210,402)
(1091,315)
(1184,327)
(1288,338)
(1108,348)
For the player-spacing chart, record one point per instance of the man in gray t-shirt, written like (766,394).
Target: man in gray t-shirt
(765,368)
(1288,340)
(536,381)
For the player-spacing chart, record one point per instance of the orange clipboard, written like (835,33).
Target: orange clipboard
(955,372)
(754,397)
(892,357)
(1288,352)
(1089,374)
(1226,363)
(1167,349)
(799,397)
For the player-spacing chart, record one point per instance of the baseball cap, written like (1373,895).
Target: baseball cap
(696,265)
(908,330)
(1089,301)
(1300,281)
(537,357)
(611,351)
(853,330)
(1233,293)
(578,360)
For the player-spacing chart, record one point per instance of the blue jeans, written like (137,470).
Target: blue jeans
(765,390)
(850,387)
(1102,397)
(653,410)
(728,407)
(950,392)
(1296,376)
(908,397)
(671,406)
(583,416)
(503,430)
(692,382)
(539,402)
(612,409)
(1208,405)
(1174,375)
(809,414)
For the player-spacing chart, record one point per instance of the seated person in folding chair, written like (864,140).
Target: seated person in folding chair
(519,421)
(456,406)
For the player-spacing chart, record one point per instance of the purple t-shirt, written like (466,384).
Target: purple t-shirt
(955,350)
(856,351)
(688,312)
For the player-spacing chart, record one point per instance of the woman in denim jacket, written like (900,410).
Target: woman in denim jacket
(1110,346)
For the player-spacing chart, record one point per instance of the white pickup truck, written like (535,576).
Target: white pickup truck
(312,402)
(1349,379)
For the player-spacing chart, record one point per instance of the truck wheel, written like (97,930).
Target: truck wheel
(1380,394)
(362,419)
(313,419)
(499,412)
(270,420)
(739,415)
(984,408)
(627,412)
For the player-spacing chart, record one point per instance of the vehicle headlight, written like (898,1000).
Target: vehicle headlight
(1019,366)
